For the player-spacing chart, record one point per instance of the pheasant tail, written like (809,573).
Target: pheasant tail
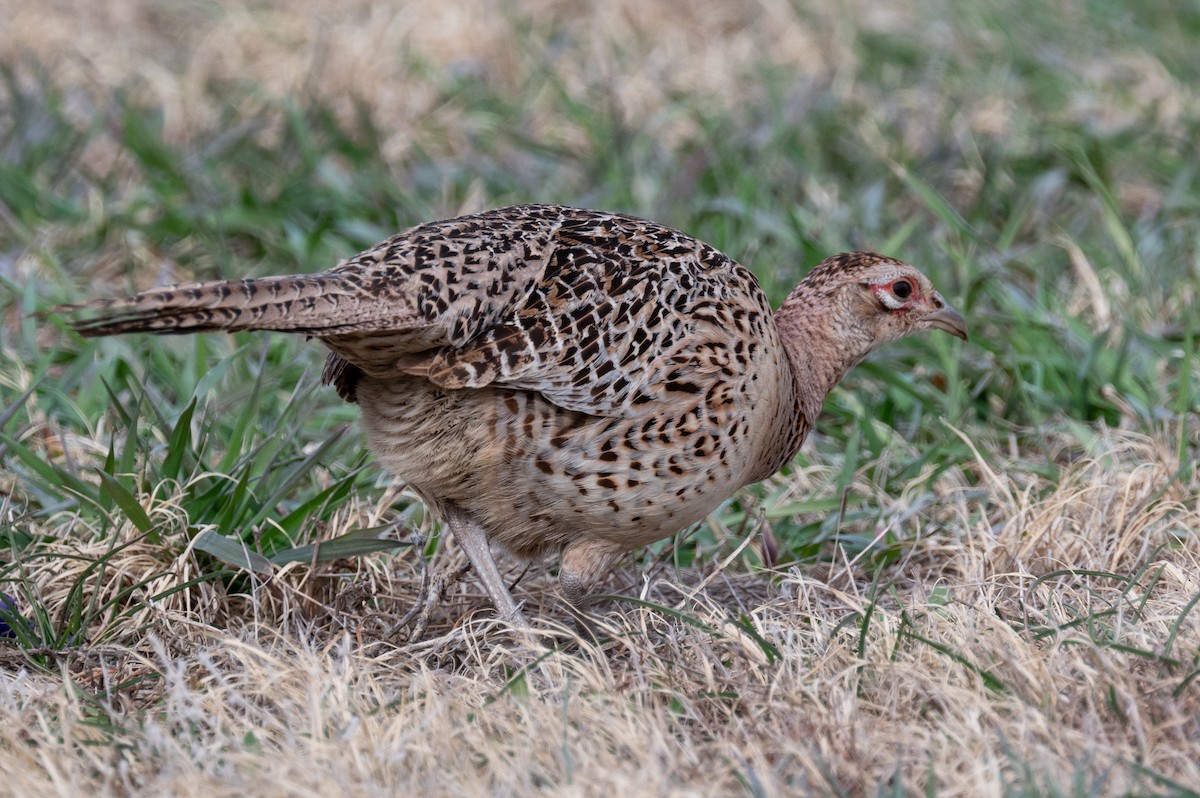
(318,304)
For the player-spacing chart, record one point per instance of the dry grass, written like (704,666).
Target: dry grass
(393,57)
(1035,635)
(1048,627)
(635,57)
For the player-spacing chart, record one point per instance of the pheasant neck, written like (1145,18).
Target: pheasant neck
(820,349)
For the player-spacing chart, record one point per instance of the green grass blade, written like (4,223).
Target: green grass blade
(352,544)
(232,552)
(128,503)
(179,444)
(51,479)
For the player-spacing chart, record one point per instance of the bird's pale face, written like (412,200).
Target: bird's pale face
(893,300)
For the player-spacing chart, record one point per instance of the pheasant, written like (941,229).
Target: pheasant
(552,380)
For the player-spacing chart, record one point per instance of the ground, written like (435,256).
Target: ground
(988,569)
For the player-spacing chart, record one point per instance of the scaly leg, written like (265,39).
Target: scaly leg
(473,539)
(580,567)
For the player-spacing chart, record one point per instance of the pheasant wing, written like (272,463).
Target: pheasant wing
(626,315)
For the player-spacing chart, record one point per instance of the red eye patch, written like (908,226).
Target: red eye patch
(896,295)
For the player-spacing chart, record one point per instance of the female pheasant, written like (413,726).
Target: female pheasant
(556,380)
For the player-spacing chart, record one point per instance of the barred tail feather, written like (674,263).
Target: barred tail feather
(319,304)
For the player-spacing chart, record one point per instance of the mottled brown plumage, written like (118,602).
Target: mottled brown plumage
(554,380)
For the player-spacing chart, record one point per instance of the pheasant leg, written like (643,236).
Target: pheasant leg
(574,590)
(474,542)
(581,567)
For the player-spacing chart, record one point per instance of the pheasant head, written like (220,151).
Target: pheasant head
(848,306)
(858,301)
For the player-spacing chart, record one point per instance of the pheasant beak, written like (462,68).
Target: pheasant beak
(946,318)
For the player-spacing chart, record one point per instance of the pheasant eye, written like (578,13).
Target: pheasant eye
(902,289)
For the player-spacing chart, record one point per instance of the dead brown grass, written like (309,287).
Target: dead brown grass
(1048,627)
(393,58)
(633,55)
(1034,625)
